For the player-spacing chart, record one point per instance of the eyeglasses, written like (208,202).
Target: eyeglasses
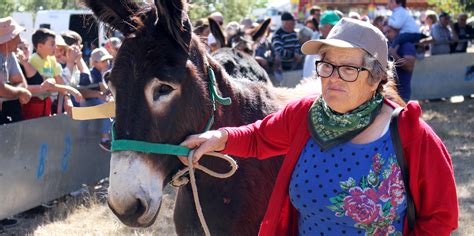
(346,73)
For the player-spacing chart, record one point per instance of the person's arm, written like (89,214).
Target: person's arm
(10,92)
(265,138)
(407,61)
(431,176)
(437,210)
(89,93)
(82,66)
(16,76)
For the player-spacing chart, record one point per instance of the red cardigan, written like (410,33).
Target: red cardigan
(286,132)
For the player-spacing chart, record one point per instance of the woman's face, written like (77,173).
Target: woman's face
(24,47)
(60,53)
(342,96)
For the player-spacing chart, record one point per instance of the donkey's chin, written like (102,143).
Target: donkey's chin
(135,190)
(143,216)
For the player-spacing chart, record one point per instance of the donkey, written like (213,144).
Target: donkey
(237,52)
(160,84)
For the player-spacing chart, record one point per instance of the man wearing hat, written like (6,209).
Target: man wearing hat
(12,82)
(286,45)
(328,20)
(441,35)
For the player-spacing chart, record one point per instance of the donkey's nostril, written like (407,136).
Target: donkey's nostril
(141,207)
(136,210)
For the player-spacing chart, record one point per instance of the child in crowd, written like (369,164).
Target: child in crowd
(402,20)
(44,62)
(96,91)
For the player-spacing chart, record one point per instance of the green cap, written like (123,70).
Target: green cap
(329,17)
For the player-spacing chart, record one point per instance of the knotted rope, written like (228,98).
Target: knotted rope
(179,179)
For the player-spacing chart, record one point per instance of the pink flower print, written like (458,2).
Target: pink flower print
(376,163)
(361,205)
(392,188)
(385,230)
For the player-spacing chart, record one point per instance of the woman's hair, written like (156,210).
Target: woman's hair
(385,78)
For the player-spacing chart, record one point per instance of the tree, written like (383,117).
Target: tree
(6,8)
(233,10)
(34,5)
(452,6)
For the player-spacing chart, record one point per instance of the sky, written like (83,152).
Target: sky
(277,2)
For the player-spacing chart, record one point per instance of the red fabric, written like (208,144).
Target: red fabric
(285,133)
(36,108)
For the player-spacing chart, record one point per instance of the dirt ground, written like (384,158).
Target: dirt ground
(88,214)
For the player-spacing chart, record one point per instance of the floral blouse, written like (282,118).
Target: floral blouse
(350,189)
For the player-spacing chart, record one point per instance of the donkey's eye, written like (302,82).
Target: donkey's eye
(161,90)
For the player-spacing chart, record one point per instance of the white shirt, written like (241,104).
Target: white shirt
(403,20)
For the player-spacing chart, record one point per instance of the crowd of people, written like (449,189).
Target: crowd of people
(351,55)
(409,38)
(54,78)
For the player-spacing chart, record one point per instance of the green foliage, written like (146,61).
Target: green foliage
(6,8)
(452,7)
(233,10)
(10,6)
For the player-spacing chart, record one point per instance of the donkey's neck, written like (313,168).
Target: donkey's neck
(251,100)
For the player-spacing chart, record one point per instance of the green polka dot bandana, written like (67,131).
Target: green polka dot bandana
(329,128)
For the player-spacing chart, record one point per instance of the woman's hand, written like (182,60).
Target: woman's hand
(48,84)
(210,141)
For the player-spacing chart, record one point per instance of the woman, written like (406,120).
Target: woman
(340,175)
(431,19)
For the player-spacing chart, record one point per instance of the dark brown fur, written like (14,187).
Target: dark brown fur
(237,51)
(159,44)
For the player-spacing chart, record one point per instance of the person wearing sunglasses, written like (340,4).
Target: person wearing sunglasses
(341,173)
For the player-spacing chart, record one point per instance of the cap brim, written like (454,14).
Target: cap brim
(313,46)
(19,30)
(106,57)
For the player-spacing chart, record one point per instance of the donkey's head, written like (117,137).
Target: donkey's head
(240,39)
(160,89)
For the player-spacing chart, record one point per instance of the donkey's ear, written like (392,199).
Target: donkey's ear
(120,15)
(217,32)
(261,30)
(173,18)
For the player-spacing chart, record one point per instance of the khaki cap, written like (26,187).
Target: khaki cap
(351,33)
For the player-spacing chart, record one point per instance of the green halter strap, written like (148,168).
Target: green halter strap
(170,149)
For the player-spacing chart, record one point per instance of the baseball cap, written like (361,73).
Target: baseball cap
(330,18)
(100,54)
(351,33)
(9,29)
